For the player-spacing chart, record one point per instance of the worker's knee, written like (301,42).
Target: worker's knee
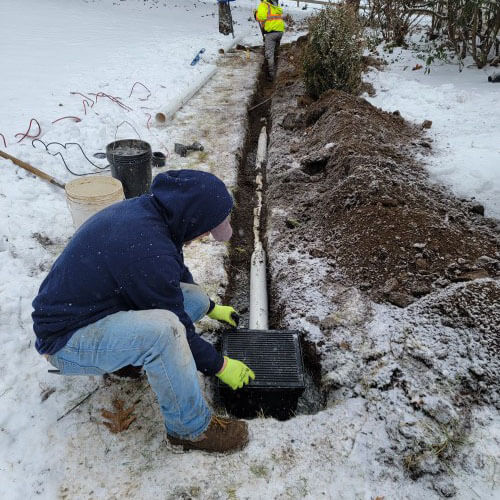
(162,330)
(196,301)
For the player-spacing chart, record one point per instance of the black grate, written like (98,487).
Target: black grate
(275,357)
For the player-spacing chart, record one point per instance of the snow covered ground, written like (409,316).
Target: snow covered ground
(464,110)
(53,49)
(50,49)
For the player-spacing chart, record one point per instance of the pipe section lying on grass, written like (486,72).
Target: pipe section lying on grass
(168,113)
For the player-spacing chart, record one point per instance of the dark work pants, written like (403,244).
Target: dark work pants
(271,45)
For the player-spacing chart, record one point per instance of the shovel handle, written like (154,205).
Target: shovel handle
(31,169)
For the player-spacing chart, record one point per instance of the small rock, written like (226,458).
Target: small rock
(374,186)
(221,51)
(442,282)
(400,299)
(477,371)
(477,208)
(365,286)
(425,144)
(387,201)
(427,124)
(420,290)
(390,285)
(422,264)
(396,113)
(316,252)
(442,353)
(292,223)
(444,487)
(420,246)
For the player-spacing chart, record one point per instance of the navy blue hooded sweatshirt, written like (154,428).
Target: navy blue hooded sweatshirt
(129,257)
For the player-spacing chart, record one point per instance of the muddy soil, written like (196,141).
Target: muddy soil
(363,202)
(399,280)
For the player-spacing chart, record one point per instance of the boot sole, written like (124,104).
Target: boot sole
(192,446)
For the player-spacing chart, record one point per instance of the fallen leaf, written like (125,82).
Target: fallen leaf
(121,419)
(418,66)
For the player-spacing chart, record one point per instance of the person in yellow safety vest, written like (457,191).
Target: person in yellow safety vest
(270,17)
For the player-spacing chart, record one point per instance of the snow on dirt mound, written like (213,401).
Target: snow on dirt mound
(384,224)
(351,210)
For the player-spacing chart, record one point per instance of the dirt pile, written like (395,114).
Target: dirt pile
(355,228)
(378,218)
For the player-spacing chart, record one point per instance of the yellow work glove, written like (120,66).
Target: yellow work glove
(235,374)
(225,313)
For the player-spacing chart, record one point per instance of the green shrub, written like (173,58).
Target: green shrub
(332,55)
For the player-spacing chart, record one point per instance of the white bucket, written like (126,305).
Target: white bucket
(87,195)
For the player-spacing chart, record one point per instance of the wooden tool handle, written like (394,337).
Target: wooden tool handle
(31,169)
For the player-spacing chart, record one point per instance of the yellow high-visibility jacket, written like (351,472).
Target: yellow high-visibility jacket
(270,17)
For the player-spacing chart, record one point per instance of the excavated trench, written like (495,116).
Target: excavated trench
(242,244)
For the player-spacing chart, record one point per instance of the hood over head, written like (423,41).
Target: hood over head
(193,202)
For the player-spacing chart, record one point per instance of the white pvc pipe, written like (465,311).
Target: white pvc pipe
(258,290)
(172,108)
(261,149)
(259,315)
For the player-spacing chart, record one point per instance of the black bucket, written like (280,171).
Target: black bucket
(130,161)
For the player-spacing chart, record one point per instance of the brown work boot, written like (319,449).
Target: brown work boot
(222,435)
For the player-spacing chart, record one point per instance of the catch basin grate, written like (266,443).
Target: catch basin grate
(275,357)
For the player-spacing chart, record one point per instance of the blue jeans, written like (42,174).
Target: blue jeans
(155,339)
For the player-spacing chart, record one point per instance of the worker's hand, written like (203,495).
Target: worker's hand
(225,313)
(235,374)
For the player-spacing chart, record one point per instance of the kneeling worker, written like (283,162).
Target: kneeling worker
(270,17)
(120,294)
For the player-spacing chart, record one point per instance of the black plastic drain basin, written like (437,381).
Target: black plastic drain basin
(275,357)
